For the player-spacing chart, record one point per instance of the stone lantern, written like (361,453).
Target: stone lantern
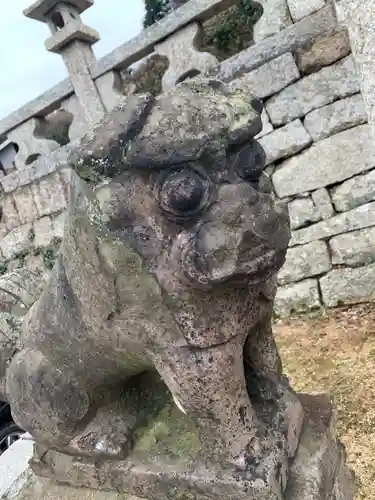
(73,40)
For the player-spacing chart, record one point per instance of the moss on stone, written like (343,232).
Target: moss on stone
(170,433)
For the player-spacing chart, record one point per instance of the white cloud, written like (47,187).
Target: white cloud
(27,69)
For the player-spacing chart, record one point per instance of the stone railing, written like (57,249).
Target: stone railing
(302,68)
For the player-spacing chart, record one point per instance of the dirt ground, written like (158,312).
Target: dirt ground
(335,351)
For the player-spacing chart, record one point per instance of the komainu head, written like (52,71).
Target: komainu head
(189,191)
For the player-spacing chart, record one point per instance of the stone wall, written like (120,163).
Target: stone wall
(31,226)
(319,157)
(321,162)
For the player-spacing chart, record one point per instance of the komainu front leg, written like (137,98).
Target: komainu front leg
(268,388)
(209,385)
(110,434)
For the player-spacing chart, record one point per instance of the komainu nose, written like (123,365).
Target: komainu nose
(249,162)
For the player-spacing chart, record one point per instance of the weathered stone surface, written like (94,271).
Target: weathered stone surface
(336,117)
(49,195)
(302,211)
(46,489)
(10,216)
(38,106)
(330,161)
(354,192)
(34,263)
(305,261)
(266,125)
(303,8)
(314,91)
(143,44)
(303,32)
(184,55)
(16,241)
(25,205)
(298,297)
(19,290)
(9,334)
(44,232)
(356,15)
(269,78)
(348,286)
(318,471)
(59,224)
(285,141)
(29,137)
(322,202)
(275,18)
(40,168)
(355,248)
(14,470)
(360,217)
(136,293)
(323,51)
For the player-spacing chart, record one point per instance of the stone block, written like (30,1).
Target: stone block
(348,286)
(336,117)
(357,16)
(44,232)
(358,218)
(25,205)
(10,217)
(302,8)
(323,51)
(19,240)
(322,202)
(305,261)
(271,77)
(302,211)
(314,91)
(275,18)
(19,290)
(49,195)
(318,471)
(3,227)
(354,192)
(59,224)
(298,297)
(302,33)
(352,249)
(285,141)
(266,124)
(329,161)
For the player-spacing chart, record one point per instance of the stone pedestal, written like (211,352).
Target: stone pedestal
(171,468)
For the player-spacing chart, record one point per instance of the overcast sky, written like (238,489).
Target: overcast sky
(27,69)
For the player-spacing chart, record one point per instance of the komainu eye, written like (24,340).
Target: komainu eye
(250,161)
(183,193)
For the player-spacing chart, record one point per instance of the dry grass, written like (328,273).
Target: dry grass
(335,352)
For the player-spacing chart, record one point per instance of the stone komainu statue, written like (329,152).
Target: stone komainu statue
(165,278)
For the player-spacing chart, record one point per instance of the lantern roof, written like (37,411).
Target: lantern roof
(40,8)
